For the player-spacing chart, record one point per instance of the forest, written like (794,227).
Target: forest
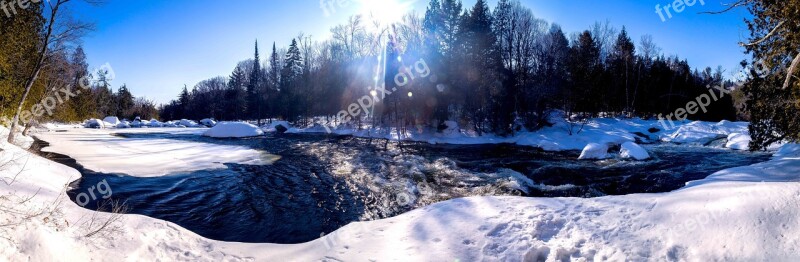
(499,71)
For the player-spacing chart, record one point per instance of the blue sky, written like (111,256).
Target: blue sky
(155,47)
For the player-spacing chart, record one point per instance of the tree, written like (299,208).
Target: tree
(184,100)
(621,60)
(773,96)
(292,69)
(124,102)
(54,34)
(236,95)
(254,85)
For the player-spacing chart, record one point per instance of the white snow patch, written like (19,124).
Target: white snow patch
(113,120)
(633,150)
(738,141)
(594,151)
(98,150)
(233,130)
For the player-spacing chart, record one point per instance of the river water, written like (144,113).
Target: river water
(322,183)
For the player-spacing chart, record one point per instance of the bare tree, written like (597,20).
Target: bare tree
(59,29)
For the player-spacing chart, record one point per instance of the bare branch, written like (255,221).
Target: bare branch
(771,33)
(739,3)
(791,70)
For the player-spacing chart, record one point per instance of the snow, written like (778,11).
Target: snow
(19,139)
(594,151)
(113,120)
(233,130)
(746,213)
(555,138)
(100,151)
(208,122)
(188,123)
(633,150)
(155,123)
(272,127)
(124,124)
(94,123)
(703,133)
(738,141)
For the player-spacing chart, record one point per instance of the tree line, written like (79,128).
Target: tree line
(499,71)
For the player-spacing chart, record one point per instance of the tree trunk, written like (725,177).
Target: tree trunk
(36,70)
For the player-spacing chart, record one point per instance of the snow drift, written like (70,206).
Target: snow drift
(233,130)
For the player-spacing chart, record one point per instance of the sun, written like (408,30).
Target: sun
(385,11)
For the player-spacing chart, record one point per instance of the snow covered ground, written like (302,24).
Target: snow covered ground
(741,214)
(98,150)
(606,131)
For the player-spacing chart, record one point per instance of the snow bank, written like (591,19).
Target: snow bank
(188,123)
(124,124)
(208,122)
(19,140)
(594,151)
(94,123)
(731,216)
(113,120)
(233,130)
(98,150)
(272,127)
(633,150)
(738,141)
(703,133)
(155,123)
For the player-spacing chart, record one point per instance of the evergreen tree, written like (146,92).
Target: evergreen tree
(292,69)
(254,100)
(184,100)
(236,96)
(124,103)
(773,95)
(622,60)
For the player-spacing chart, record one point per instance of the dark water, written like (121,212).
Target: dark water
(323,183)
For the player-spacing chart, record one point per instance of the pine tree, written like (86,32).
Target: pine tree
(124,103)
(254,88)
(236,95)
(184,100)
(622,59)
(292,69)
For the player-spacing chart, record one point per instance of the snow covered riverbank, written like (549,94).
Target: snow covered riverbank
(746,213)
(607,131)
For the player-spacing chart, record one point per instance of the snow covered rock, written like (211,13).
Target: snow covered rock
(124,124)
(277,126)
(188,123)
(233,130)
(155,123)
(633,150)
(738,141)
(94,123)
(704,133)
(113,120)
(594,151)
(208,122)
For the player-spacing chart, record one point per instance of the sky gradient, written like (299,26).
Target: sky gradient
(157,47)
